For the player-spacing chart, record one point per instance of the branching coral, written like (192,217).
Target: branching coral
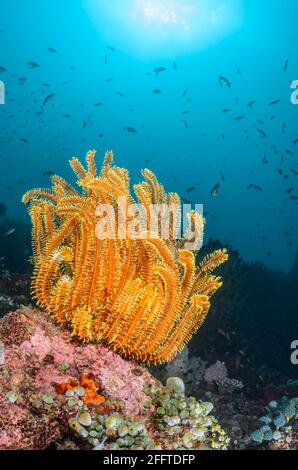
(144,296)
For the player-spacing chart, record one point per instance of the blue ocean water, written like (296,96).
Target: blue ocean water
(197,91)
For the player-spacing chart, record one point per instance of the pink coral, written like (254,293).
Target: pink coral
(38,356)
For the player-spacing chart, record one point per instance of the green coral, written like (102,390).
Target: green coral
(170,421)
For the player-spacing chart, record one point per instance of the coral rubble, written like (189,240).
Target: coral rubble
(56,391)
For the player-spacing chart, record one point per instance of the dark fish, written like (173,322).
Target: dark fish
(250,186)
(186,201)
(239,71)
(294,198)
(106,59)
(280,171)
(48,173)
(174,66)
(263,134)
(67,116)
(295,142)
(239,118)
(45,84)
(185,123)
(222,79)
(189,190)
(214,191)
(272,103)
(158,70)
(226,110)
(33,65)
(130,129)
(51,49)
(110,79)
(222,176)
(185,92)
(98,104)
(24,140)
(100,136)
(286,65)
(295,172)
(289,190)
(2,69)
(258,188)
(111,48)
(185,112)
(120,94)
(251,104)
(156,91)
(289,152)
(48,98)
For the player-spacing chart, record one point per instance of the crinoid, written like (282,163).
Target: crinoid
(144,296)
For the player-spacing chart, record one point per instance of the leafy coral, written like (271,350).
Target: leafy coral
(144,296)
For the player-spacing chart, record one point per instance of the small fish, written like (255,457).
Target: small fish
(295,172)
(225,80)
(98,104)
(51,49)
(130,129)
(33,65)
(111,48)
(289,152)
(120,94)
(185,123)
(48,173)
(185,112)
(250,186)
(239,71)
(294,198)
(286,65)
(239,118)
(295,142)
(67,116)
(226,110)
(251,104)
(109,80)
(214,191)
(156,91)
(272,103)
(2,69)
(258,188)
(48,98)
(190,189)
(263,134)
(186,201)
(174,66)
(9,232)
(106,59)
(289,190)
(159,70)
(24,140)
(185,92)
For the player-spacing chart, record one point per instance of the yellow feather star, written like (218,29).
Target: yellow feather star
(145,297)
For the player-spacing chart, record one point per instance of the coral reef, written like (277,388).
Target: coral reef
(56,391)
(145,297)
(276,424)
